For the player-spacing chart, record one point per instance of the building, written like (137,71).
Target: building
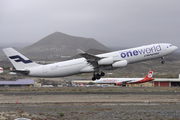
(80,82)
(167,82)
(146,84)
(37,84)
(20,82)
(22,119)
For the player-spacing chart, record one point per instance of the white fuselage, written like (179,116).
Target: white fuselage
(116,80)
(77,66)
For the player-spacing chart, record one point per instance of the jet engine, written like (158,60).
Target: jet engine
(106,61)
(122,63)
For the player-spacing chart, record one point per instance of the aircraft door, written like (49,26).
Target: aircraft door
(163,49)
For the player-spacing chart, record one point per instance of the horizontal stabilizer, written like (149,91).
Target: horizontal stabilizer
(24,72)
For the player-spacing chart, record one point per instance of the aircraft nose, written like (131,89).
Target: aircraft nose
(175,48)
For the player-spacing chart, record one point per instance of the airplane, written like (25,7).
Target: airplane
(124,81)
(89,62)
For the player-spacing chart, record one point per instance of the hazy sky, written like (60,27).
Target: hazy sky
(120,23)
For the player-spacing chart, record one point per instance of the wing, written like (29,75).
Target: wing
(88,56)
(124,82)
(91,59)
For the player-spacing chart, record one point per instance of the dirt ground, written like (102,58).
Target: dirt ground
(93,103)
(89,98)
(90,107)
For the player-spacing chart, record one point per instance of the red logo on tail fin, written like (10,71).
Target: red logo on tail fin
(150,74)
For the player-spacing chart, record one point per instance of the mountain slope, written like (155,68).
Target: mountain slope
(59,44)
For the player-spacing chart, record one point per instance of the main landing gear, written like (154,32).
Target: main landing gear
(97,75)
(163,61)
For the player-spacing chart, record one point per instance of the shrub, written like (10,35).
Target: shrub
(61,114)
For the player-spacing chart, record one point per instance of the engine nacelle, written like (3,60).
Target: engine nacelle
(122,63)
(119,83)
(106,61)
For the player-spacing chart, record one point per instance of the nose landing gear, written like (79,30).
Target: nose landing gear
(163,61)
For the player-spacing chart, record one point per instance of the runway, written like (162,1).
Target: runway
(93,93)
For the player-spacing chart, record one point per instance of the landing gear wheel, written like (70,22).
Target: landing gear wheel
(93,78)
(162,62)
(102,73)
(98,76)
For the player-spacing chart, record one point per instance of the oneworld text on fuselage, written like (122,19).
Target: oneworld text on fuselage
(148,51)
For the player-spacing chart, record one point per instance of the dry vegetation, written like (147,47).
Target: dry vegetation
(4,90)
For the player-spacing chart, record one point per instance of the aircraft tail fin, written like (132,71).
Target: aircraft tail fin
(19,61)
(149,75)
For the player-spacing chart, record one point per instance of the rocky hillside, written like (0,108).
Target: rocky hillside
(58,44)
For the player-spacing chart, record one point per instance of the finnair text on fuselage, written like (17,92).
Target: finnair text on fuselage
(148,51)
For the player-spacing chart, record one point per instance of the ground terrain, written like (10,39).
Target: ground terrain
(93,103)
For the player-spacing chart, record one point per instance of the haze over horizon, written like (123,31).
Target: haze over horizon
(117,23)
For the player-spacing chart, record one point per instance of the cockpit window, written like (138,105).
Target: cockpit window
(168,46)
